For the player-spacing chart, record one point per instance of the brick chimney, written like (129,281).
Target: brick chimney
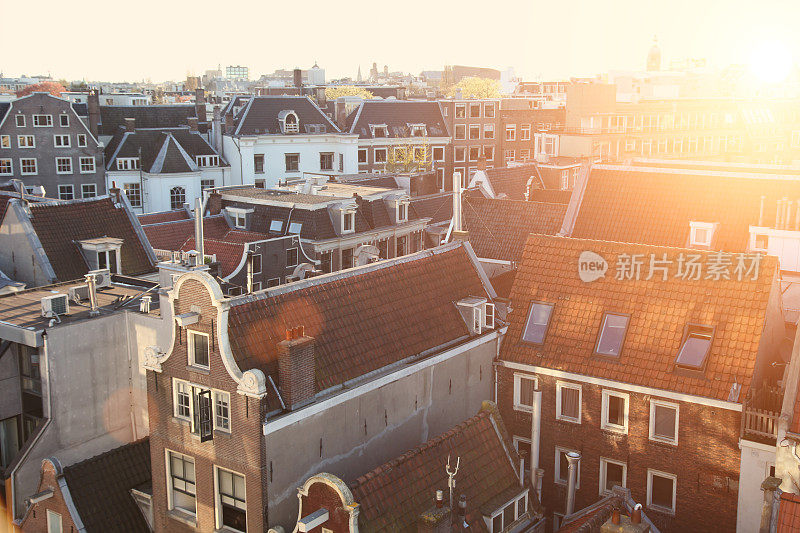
(192,121)
(200,103)
(130,124)
(437,519)
(94,111)
(296,368)
(341,113)
(298,78)
(229,123)
(214,203)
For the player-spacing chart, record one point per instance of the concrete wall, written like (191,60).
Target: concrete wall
(10,399)
(240,152)
(95,392)
(353,437)
(756,462)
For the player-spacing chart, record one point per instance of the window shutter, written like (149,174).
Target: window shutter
(206,425)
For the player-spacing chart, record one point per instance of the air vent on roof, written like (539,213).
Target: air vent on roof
(55,306)
(102,277)
(79,293)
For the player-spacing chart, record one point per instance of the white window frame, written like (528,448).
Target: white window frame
(60,160)
(87,159)
(17,121)
(25,145)
(54,523)
(604,423)
(82,140)
(298,226)
(525,132)
(366,156)
(511,132)
(5,141)
(10,162)
(190,333)
(297,252)
(226,396)
(62,136)
(474,127)
(218,499)
(376,151)
(500,512)
(170,488)
(604,461)
(207,161)
(84,187)
(127,163)
(455,132)
(137,187)
(650,473)
(557,468)
(463,157)
(440,151)
(175,403)
(239,215)
(22,166)
(463,107)
(707,226)
(488,131)
(560,385)
(47,118)
(66,187)
(260,263)
(518,377)
(61,118)
(349,213)
(662,403)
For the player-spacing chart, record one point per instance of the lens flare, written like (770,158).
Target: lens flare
(771,61)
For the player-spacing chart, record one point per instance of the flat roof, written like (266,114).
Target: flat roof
(24,309)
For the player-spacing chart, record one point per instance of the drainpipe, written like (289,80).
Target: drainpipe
(250,270)
(574,459)
(536,429)
(456,201)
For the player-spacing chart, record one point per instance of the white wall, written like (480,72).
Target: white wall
(756,460)
(157,186)
(239,153)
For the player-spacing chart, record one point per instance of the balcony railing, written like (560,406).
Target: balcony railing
(760,414)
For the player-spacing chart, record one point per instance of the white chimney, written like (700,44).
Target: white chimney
(761,212)
(456,201)
(574,459)
(249,271)
(536,431)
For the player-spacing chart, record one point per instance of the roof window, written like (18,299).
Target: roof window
(695,347)
(379,130)
(276,226)
(612,334)
(417,130)
(538,322)
(289,121)
(701,233)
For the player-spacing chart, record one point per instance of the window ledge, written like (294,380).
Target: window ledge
(183,516)
(569,420)
(656,440)
(523,408)
(614,429)
(662,510)
(198,369)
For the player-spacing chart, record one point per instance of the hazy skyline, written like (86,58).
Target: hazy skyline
(165,41)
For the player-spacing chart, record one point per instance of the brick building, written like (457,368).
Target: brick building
(474,126)
(528,132)
(645,378)
(242,409)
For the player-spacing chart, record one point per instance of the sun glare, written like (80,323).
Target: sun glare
(771,61)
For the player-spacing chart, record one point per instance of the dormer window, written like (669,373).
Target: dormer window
(478,313)
(102,253)
(695,347)
(379,130)
(701,233)
(417,130)
(289,121)
(127,163)
(239,216)
(348,221)
(207,161)
(402,212)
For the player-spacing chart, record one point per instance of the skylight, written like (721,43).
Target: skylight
(612,334)
(295,227)
(695,347)
(537,323)
(276,225)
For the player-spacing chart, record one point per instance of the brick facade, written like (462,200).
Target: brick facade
(35,520)
(706,459)
(241,450)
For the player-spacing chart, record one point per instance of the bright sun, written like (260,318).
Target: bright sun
(771,61)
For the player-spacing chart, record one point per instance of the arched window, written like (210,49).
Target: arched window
(177,197)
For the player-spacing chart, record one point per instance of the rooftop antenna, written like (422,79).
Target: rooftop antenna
(451,478)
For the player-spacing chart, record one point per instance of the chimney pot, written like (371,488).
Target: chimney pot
(439,499)
(636,514)
(462,506)
(615,517)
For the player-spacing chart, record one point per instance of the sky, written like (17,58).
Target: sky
(555,39)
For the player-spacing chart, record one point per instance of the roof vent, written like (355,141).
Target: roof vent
(55,306)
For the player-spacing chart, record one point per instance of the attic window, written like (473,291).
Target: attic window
(612,334)
(417,130)
(379,130)
(276,226)
(102,253)
(701,233)
(289,121)
(127,163)
(695,347)
(478,313)
(538,322)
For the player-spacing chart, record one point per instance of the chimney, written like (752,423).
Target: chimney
(94,111)
(787,208)
(214,203)
(462,512)
(192,121)
(298,78)
(130,124)
(778,214)
(296,366)
(341,113)
(114,192)
(198,231)
(216,130)
(91,282)
(200,104)
(636,514)
(249,271)
(574,460)
(229,123)
(437,519)
(624,524)
(457,234)
(797,217)
(761,212)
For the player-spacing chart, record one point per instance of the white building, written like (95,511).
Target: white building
(162,169)
(268,139)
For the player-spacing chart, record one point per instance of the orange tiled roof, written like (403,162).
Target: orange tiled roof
(362,319)
(659,312)
(789,514)
(164,216)
(655,206)
(392,496)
